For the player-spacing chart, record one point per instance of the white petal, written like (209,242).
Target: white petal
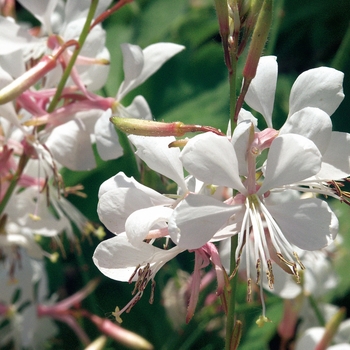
(122,181)
(13,37)
(240,140)
(107,140)
(154,151)
(70,145)
(310,338)
(308,223)
(212,159)
(117,258)
(140,222)
(261,92)
(336,160)
(291,158)
(115,206)
(42,10)
(139,65)
(139,109)
(196,219)
(319,87)
(312,123)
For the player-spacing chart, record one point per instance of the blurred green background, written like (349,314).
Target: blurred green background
(193,88)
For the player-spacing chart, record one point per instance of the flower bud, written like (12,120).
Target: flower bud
(26,80)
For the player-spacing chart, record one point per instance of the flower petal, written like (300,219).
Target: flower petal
(115,206)
(70,145)
(336,160)
(140,222)
(319,87)
(122,181)
(308,223)
(312,123)
(261,92)
(196,219)
(138,109)
(140,65)
(159,157)
(212,159)
(291,158)
(107,140)
(118,259)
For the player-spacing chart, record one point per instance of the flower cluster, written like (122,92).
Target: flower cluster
(274,177)
(248,205)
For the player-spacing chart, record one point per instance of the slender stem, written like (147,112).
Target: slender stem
(276,23)
(129,154)
(21,165)
(108,12)
(342,56)
(232,295)
(70,65)
(320,318)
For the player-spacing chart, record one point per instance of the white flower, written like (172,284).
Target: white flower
(68,141)
(314,97)
(309,223)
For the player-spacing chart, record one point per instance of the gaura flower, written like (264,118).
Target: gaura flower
(309,223)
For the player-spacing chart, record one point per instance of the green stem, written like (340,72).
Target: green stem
(70,65)
(320,318)
(276,23)
(342,56)
(233,82)
(129,154)
(21,165)
(232,295)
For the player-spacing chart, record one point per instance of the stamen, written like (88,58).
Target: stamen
(298,260)
(134,273)
(249,290)
(269,274)
(153,287)
(292,265)
(258,269)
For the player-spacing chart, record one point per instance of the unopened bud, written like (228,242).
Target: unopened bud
(97,344)
(121,335)
(144,127)
(331,329)
(26,80)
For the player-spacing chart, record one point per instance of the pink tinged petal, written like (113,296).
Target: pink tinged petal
(336,160)
(154,151)
(196,219)
(115,206)
(107,140)
(309,223)
(312,123)
(319,87)
(212,159)
(140,65)
(117,258)
(261,92)
(139,109)
(291,158)
(140,222)
(70,145)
